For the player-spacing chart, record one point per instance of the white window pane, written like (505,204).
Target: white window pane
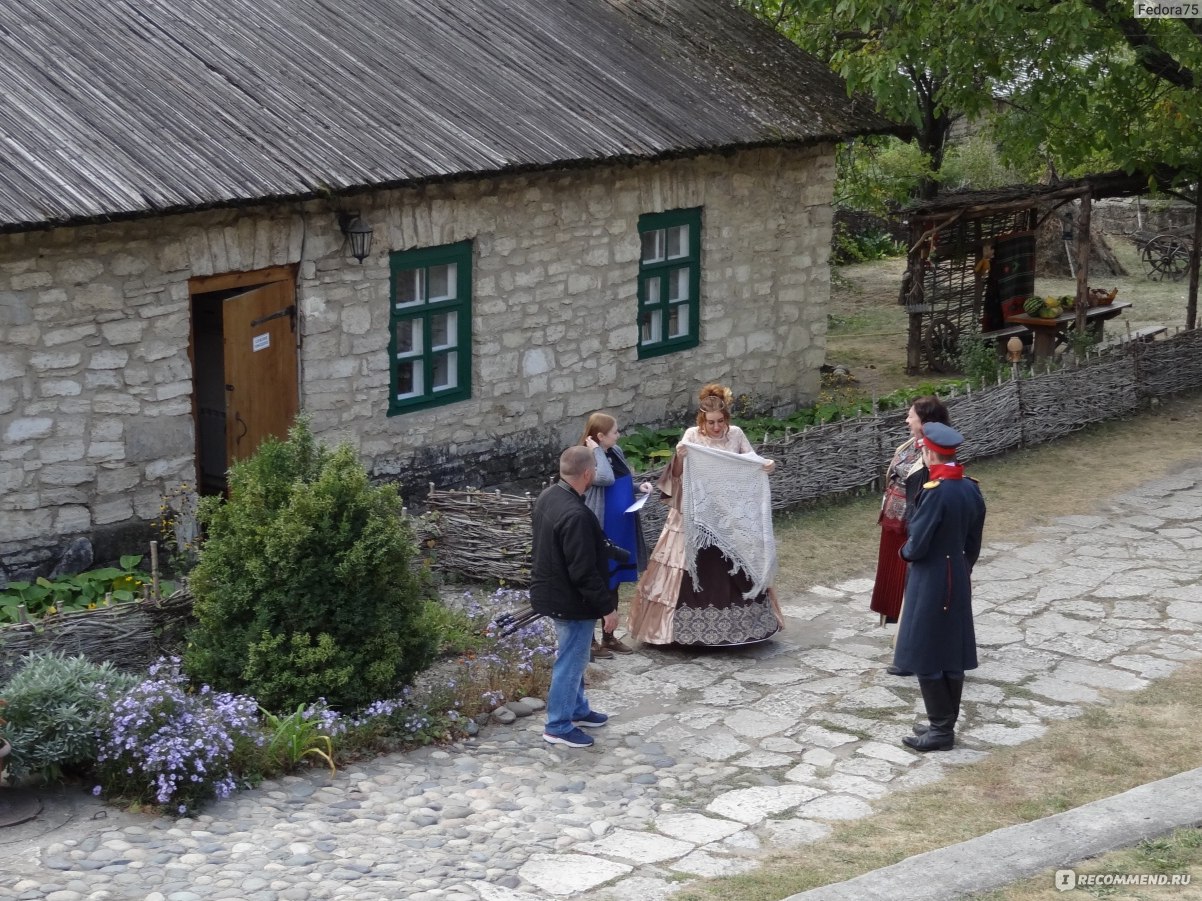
(678,320)
(410,287)
(408,337)
(678,285)
(446,371)
(442,282)
(409,379)
(649,330)
(653,245)
(651,291)
(442,331)
(678,241)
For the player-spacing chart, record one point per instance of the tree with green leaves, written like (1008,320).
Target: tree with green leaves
(1081,84)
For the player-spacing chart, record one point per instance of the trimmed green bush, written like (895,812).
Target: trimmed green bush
(53,709)
(309,583)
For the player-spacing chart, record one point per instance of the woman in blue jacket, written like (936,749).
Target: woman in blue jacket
(611,493)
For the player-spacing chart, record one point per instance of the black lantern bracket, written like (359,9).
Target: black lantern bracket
(358,232)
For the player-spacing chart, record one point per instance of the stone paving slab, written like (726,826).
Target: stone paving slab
(713,758)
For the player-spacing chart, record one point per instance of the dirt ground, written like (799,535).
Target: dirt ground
(867,327)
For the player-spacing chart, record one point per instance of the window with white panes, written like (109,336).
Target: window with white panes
(431,320)
(669,281)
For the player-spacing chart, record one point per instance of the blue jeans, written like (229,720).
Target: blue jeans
(565,700)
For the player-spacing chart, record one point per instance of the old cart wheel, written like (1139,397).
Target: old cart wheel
(941,342)
(1165,257)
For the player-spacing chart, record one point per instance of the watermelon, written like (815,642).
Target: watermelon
(1032,306)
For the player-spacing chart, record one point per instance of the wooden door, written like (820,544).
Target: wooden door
(261,397)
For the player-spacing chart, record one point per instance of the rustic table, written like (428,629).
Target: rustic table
(1048,332)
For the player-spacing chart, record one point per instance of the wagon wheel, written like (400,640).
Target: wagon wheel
(941,342)
(1165,257)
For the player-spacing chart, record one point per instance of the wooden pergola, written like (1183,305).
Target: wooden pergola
(966,246)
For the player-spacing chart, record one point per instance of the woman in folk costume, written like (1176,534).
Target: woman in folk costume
(903,481)
(611,493)
(709,581)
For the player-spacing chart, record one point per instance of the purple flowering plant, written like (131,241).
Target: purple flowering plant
(164,743)
(503,667)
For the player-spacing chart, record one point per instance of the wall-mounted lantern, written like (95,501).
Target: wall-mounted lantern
(358,233)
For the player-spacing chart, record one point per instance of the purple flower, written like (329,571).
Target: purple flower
(166,742)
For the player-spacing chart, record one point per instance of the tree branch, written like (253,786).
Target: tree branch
(1150,55)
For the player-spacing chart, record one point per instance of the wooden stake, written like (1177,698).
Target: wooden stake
(154,571)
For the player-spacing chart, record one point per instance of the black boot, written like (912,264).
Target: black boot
(956,689)
(937,696)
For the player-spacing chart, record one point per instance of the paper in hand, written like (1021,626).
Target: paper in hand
(638,504)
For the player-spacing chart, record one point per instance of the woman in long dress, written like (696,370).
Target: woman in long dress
(722,605)
(903,480)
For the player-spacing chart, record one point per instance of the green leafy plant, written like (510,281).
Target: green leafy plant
(52,712)
(647,449)
(309,582)
(84,591)
(864,247)
(979,359)
(296,736)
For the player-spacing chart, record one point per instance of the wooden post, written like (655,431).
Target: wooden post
(1082,249)
(154,570)
(1191,299)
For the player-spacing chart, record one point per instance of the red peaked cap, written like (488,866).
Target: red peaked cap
(940,438)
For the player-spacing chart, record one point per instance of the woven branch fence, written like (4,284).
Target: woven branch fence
(485,536)
(130,636)
(479,535)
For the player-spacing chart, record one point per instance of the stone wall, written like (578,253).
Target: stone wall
(1123,216)
(96,383)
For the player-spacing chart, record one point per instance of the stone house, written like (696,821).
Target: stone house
(570,205)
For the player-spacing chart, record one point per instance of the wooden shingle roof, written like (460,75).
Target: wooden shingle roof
(120,108)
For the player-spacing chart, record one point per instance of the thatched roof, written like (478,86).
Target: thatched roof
(118,108)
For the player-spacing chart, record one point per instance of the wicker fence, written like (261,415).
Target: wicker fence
(130,636)
(486,536)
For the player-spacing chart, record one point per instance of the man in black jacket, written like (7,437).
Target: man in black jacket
(569,582)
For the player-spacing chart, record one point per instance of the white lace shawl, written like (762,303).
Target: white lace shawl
(726,504)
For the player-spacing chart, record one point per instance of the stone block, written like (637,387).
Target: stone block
(108,359)
(28,429)
(15,308)
(50,362)
(157,439)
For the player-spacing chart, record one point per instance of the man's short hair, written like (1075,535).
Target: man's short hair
(576,461)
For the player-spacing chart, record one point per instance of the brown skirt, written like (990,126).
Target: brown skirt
(670,608)
(890,574)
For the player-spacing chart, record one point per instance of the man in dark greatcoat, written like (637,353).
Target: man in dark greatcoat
(936,638)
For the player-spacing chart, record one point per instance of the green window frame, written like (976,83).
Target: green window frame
(669,281)
(430,326)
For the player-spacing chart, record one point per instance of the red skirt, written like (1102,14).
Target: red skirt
(890,574)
